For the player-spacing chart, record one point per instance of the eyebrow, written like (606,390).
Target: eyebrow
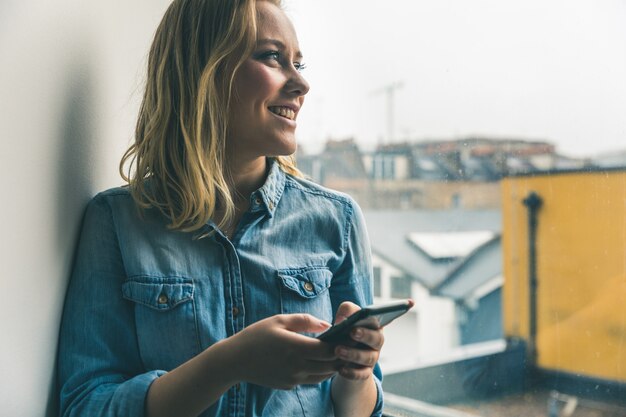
(278,44)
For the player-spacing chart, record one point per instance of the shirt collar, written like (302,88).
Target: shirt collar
(268,196)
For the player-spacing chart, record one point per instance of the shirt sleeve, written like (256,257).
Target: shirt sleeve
(353,279)
(99,368)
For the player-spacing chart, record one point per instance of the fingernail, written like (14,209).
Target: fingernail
(357,333)
(325,324)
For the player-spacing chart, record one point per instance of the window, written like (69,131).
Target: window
(383,167)
(474,67)
(377,282)
(401,287)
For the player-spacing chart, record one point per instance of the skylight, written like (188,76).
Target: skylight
(450,244)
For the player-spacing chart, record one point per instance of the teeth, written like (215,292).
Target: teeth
(284,112)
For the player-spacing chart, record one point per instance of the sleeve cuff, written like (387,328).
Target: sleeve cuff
(378,409)
(117,399)
(131,395)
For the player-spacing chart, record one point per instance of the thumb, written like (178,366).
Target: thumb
(304,323)
(345,310)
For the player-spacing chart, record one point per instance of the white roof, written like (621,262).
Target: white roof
(450,244)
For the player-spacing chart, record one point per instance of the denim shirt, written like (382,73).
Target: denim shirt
(143,299)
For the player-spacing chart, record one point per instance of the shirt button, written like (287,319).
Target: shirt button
(308,286)
(235,311)
(163,299)
(257,201)
(271,206)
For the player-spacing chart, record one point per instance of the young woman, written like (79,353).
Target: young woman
(196,288)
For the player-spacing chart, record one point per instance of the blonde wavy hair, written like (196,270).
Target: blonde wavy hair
(176,163)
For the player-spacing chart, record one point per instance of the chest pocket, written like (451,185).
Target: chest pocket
(306,290)
(165,319)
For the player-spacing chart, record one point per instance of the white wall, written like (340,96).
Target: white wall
(427,331)
(70,82)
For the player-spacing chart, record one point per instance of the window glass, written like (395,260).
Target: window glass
(489,161)
(401,287)
(377,281)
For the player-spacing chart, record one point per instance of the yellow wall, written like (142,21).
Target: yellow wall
(581,268)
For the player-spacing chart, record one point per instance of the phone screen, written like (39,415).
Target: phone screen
(372,317)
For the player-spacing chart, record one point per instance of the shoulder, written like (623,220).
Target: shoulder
(310,190)
(113,193)
(113,204)
(321,203)
(116,209)
(112,199)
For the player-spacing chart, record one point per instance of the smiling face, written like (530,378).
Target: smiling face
(268,91)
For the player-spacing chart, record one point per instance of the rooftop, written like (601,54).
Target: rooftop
(394,235)
(442,245)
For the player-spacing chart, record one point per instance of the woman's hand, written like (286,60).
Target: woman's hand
(272,353)
(358,362)
(269,353)
(354,392)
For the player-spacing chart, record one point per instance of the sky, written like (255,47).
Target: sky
(549,70)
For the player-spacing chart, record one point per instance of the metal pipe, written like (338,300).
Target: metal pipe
(533,202)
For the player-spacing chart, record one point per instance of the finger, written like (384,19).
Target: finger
(372,338)
(322,368)
(303,323)
(310,348)
(324,354)
(316,379)
(355,373)
(361,357)
(345,310)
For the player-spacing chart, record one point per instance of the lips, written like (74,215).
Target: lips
(283,111)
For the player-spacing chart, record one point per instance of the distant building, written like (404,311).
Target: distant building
(445,174)
(339,159)
(476,287)
(480,159)
(340,167)
(562,301)
(420,254)
(610,160)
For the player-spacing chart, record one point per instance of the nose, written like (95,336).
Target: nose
(296,84)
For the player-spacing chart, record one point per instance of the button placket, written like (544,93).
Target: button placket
(233,271)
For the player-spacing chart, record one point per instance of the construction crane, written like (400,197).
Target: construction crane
(389,91)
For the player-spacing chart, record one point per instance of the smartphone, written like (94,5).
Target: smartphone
(372,317)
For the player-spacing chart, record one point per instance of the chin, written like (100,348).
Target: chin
(285,148)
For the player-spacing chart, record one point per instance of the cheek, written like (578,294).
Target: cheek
(258,83)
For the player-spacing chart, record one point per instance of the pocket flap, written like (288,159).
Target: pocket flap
(306,282)
(161,294)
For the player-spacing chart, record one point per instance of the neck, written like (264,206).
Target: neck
(247,177)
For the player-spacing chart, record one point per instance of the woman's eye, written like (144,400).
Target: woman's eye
(271,55)
(276,56)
